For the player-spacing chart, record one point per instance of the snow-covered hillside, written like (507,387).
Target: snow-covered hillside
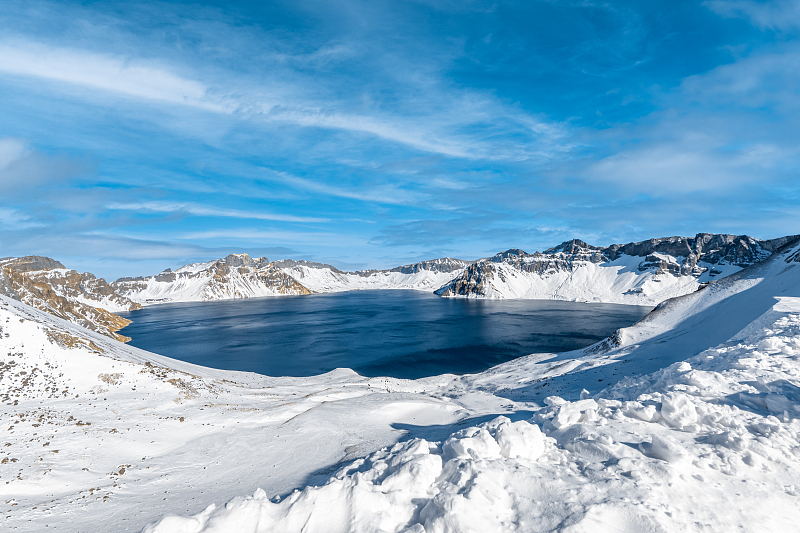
(642,273)
(235,276)
(80,298)
(686,421)
(425,275)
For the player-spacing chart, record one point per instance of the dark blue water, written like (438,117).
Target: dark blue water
(404,334)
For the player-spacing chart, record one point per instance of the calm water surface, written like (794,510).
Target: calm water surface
(403,334)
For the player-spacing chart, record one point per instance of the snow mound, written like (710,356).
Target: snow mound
(412,486)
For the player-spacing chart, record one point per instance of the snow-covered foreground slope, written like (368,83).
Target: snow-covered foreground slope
(100,436)
(642,273)
(686,421)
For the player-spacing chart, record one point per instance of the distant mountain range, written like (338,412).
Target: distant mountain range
(641,273)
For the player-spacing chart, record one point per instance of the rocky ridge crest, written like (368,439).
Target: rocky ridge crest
(705,253)
(82,298)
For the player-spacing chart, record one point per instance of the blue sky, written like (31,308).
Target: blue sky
(137,136)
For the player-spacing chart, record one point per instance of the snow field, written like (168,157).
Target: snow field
(100,436)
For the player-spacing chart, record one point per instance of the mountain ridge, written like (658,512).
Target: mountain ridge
(640,273)
(644,272)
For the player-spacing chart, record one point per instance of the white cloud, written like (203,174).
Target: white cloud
(22,168)
(116,74)
(201,210)
(267,235)
(13,219)
(11,151)
(692,164)
(778,14)
(382,195)
(463,125)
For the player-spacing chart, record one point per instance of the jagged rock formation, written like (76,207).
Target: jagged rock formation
(424,275)
(46,284)
(235,276)
(644,273)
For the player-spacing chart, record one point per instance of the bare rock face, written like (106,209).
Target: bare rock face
(47,285)
(31,263)
(705,253)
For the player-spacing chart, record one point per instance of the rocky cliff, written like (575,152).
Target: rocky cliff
(644,273)
(46,284)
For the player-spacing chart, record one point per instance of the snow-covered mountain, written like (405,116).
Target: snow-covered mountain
(241,276)
(235,276)
(81,298)
(687,421)
(641,273)
(425,275)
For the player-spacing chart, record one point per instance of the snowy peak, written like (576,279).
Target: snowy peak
(234,276)
(571,247)
(442,265)
(644,273)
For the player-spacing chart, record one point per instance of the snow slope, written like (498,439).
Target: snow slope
(101,436)
(694,427)
(644,273)
(427,275)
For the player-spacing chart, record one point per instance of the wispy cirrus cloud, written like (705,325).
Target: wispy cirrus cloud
(390,194)
(773,15)
(207,211)
(116,74)
(463,128)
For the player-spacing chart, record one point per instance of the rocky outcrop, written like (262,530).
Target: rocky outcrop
(82,298)
(235,276)
(643,272)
